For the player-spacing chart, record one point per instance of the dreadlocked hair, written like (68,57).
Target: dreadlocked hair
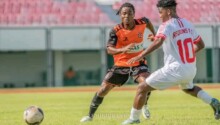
(126,5)
(166,3)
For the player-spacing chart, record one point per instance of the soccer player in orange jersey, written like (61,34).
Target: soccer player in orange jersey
(125,42)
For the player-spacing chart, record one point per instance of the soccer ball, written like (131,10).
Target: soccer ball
(33,115)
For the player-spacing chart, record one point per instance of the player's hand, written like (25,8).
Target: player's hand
(127,48)
(134,59)
(151,37)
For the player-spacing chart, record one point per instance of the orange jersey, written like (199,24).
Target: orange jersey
(120,37)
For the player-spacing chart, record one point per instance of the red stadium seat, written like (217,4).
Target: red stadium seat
(29,19)
(194,10)
(43,12)
(12,19)
(4,19)
(36,19)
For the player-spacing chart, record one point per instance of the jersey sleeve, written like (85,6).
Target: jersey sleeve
(146,20)
(162,32)
(113,38)
(196,36)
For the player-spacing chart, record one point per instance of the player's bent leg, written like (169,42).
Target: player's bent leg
(105,89)
(193,91)
(199,93)
(141,94)
(140,97)
(145,109)
(97,100)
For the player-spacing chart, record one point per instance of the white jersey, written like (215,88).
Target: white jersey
(179,36)
(179,55)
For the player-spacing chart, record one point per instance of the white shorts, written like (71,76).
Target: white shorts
(169,76)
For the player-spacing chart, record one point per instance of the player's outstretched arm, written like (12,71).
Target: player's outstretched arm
(199,45)
(155,45)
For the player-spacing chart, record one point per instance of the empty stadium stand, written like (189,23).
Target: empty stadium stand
(197,11)
(65,12)
(44,12)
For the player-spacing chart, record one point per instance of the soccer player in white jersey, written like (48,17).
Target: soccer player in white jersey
(180,42)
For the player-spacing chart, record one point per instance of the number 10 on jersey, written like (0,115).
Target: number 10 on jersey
(186,50)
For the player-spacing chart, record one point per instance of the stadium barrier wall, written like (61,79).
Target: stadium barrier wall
(38,56)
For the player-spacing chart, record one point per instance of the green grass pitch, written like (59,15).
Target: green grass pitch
(169,107)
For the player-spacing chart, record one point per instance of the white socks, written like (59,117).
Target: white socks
(204,96)
(135,114)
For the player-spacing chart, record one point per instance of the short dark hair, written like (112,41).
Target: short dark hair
(166,3)
(125,5)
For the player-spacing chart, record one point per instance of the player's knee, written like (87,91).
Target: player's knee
(192,90)
(189,90)
(104,91)
(195,89)
(142,88)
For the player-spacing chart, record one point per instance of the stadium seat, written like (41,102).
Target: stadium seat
(4,19)
(12,19)
(201,10)
(29,19)
(43,12)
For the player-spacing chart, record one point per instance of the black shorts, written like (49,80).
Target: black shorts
(119,75)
